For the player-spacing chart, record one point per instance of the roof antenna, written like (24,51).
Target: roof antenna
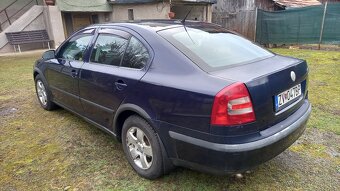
(185,28)
(183,21)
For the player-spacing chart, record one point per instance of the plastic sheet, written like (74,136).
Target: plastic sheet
(299,25)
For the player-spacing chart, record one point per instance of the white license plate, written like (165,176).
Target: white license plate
(287,96)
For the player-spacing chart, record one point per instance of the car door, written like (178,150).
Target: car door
(116,64)
(62,72)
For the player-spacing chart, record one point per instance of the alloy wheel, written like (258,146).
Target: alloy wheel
(139,147)
(41,91)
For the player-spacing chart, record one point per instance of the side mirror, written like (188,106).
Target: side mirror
(50,54)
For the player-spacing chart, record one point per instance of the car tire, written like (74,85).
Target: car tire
(43,94)
(142,147)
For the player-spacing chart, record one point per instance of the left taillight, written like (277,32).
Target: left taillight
(232,106)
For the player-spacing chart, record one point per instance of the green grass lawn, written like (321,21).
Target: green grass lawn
(42,150)
(324,86)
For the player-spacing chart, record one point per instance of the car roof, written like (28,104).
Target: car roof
(156,25)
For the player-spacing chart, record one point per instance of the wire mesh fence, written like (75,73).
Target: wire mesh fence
(308,25)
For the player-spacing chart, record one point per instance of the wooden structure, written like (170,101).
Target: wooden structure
(287,4)
(240,15)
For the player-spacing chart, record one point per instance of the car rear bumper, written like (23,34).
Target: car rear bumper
(234,158)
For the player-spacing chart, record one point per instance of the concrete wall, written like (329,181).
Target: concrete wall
(198,12)
(15,10)
(37,18)
(209,14)
(160,11)
(104,17)
(33,19)
(141,11)
(54,23)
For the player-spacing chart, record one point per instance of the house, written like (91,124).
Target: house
(79,13)
(76,14)
(63,17)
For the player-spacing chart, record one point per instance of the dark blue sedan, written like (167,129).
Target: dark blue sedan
(187,94)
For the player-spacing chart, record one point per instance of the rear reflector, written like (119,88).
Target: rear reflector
(232,106)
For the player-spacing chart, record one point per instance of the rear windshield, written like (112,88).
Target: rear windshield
(214,49)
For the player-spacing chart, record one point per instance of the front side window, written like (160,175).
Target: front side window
(136,55)
(108,49)
(74,49)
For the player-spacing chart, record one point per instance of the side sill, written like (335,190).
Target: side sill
(88,120)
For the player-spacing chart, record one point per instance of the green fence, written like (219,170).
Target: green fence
(308,25)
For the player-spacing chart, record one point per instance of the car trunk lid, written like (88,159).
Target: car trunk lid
(266,79)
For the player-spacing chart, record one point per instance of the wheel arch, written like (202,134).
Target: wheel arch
(123,112)
(36,72)
(126,110)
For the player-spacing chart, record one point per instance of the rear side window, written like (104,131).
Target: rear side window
(136,55)
(108,49)
(213,50)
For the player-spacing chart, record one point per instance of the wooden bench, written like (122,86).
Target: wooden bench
(26,37)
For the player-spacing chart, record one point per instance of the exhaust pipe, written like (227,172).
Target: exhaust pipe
(238,176)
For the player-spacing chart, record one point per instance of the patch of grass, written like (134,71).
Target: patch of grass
(316,150)
(324,86)
(42,150)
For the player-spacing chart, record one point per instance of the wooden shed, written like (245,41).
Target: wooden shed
(240,15)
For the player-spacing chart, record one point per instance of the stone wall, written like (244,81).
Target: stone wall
(141,11)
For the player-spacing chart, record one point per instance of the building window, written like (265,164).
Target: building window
(130,14)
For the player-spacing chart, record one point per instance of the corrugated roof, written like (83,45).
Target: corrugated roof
(84,5)
(297,3)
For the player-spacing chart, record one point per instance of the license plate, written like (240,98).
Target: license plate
(287,96)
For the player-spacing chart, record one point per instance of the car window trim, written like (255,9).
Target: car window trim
(94,43)
(142,40)
(115,32)
(100,31)
(59,58)
(73,35)
(147,63)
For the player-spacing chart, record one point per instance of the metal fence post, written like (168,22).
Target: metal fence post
(323,22)
(255,24)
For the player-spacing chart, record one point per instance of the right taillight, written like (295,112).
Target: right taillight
(232,106)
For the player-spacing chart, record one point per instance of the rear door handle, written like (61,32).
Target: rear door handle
(74,73)
(120,85)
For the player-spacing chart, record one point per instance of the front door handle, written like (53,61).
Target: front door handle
(120,85)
